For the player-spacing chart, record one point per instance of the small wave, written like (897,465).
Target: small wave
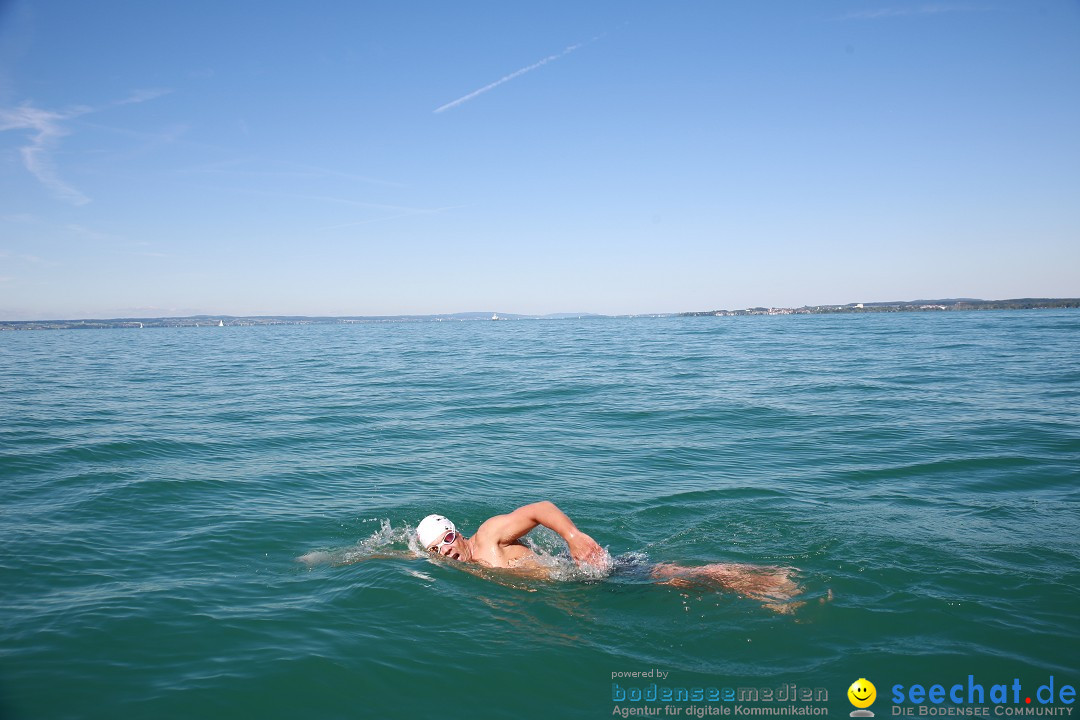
(387,537)
(562,568)
(387,541)
(553,555)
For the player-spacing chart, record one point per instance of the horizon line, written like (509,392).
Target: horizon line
(552,315)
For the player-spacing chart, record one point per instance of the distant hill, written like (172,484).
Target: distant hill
(232,320)
(903,306)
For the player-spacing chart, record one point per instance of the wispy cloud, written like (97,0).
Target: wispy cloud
(37,156)
(47,128)
(410,213)
(879,13)
(21,257)
(507,78)
(21,218)
(255,167)
(144,311)
(167,135)
(87,233)
(140,96)
(361,203)
(154,255)
(100,240)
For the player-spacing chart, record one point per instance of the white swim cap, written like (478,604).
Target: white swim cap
(432,529)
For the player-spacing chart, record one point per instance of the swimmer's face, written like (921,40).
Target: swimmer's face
(455,549)
(862,693)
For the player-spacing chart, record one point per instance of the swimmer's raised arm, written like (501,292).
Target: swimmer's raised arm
(509,528)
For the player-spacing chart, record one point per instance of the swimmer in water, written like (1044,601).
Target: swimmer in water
(497,544)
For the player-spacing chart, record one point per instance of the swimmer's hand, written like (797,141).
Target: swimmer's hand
(584,549)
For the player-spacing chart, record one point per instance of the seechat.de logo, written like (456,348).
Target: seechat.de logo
(862,694)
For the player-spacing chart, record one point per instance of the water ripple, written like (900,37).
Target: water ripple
(156,488)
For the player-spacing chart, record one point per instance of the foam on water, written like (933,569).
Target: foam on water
(387,541)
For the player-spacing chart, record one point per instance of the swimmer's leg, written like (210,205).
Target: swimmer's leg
(771,584)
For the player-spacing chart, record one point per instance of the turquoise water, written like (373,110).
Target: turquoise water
(158,486)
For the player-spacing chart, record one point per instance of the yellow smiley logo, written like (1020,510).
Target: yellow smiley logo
(862,693)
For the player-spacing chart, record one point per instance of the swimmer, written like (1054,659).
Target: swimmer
(497,544)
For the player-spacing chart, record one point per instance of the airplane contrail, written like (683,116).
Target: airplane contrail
(508,78)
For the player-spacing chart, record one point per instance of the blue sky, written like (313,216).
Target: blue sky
(348,158)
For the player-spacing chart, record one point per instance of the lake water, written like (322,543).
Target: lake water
(921,470)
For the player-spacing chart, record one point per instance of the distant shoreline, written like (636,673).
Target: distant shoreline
(902,306)
(950,305)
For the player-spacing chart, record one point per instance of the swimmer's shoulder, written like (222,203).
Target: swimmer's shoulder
(492,531)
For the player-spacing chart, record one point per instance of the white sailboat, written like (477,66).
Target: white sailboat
(495,316)
(221,323)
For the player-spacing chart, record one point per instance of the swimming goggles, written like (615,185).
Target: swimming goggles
(448,539)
